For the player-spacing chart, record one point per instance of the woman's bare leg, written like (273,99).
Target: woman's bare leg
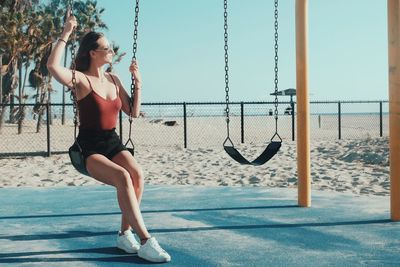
(128,162)
(106,171)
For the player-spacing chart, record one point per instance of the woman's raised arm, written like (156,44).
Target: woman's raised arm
(60,73)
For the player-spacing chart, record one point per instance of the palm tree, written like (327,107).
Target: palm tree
(13,43)
(16,43)
(18,5)
(27,31)
(9,84)
(89,16)
(25,58)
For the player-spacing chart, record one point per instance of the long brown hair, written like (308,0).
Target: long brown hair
(87,44)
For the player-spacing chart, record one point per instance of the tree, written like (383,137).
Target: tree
(14,41)
(22,42)
(27,31)
(18,5)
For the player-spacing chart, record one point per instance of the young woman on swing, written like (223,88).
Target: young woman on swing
(100,96)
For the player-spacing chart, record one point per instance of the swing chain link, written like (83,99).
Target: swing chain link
(73,69)
(226,64)
(276,65)
(134,49)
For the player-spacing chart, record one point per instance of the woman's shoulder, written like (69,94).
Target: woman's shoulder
(114,75)
(115,79)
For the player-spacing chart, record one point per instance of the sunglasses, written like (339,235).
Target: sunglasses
(105,49)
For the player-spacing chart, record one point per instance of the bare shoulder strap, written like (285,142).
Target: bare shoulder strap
(116,87)
(90,84)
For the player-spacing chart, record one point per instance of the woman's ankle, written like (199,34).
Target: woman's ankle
(123,230)
(144,240)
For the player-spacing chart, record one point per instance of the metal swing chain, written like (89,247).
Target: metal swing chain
(276,69)
(226,67)
(73,69)
(133,83)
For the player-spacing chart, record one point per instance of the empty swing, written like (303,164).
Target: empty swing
(275,141)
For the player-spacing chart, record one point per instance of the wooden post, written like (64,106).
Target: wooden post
(393,7)
(303,108)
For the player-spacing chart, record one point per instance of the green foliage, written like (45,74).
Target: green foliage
(28,29)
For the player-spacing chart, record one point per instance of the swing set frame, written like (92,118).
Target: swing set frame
(303,110)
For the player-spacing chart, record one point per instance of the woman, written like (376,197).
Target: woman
(100,96)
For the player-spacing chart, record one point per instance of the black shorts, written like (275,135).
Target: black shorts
(104,142)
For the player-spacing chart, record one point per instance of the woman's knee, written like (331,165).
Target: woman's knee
(123,178)
(137,175)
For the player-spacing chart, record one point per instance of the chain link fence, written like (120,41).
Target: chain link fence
(50,129)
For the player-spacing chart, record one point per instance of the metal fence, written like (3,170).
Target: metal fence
(201,124)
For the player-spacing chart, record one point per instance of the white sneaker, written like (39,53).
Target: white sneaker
(152,251)
(127,242)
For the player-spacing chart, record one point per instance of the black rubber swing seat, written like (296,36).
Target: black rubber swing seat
(77,160)
(129,143)
(274,146)
(265,156)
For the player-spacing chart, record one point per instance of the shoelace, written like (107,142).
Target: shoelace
(155,244)
(131,238)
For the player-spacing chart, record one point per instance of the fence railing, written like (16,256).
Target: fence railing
(49,128)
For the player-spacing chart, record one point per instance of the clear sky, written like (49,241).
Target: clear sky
(181,54)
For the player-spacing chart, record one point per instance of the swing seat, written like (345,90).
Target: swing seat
(131,150)
(274,146)
(77,159)
(265,156)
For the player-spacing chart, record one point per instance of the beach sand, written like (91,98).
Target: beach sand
(359,163)
(359,166)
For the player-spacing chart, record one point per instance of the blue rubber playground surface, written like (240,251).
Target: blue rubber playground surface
(198,226)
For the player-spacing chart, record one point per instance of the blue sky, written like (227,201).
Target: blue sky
(181,54)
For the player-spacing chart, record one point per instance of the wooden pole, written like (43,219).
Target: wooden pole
(393,7)
(303,109)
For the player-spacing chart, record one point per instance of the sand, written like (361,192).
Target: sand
(359,166)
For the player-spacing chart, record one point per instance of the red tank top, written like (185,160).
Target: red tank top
(97,113)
